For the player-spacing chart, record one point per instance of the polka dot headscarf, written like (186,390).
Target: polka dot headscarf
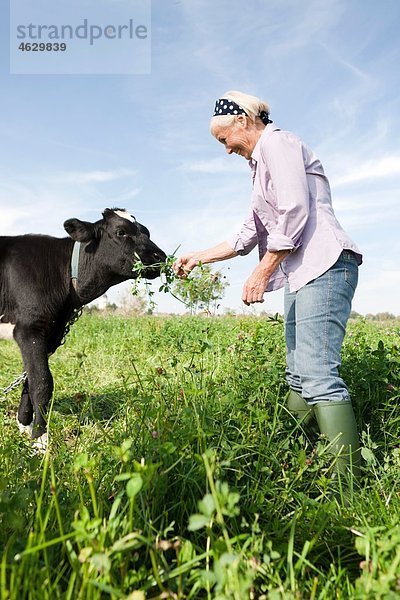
(223,106)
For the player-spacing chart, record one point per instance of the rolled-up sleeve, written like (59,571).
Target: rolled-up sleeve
(285,163)
(245,240)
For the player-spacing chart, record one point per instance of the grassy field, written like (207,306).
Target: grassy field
(174,470)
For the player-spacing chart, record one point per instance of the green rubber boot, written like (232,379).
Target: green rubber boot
(298,407)
(337,422)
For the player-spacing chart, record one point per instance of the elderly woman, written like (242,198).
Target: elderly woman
(303,248)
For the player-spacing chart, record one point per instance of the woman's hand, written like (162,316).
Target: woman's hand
(255,286)
(185,264)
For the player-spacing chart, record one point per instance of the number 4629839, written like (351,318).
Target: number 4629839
(42,47)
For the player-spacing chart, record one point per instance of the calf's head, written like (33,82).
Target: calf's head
(119,241)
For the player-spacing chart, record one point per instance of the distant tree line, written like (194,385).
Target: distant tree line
(382,316)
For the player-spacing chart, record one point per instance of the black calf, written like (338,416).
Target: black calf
(37,293)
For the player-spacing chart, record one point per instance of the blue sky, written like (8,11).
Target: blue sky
(73,145)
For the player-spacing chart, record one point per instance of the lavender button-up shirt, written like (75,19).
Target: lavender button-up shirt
(291,209)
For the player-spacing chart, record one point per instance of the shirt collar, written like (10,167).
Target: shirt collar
(255,155)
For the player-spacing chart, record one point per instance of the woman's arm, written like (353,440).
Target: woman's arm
(284,162)
(186,263)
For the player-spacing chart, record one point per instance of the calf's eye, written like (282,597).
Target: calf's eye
(121,233)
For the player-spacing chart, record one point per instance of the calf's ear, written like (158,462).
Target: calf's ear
(79,231)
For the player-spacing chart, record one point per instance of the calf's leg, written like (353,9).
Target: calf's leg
(33,346)
(25,411)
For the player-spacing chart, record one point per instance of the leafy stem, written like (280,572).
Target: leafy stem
(167,276)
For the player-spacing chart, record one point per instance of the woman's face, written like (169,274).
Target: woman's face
(239,138)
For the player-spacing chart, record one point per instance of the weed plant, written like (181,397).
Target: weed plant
(174,470)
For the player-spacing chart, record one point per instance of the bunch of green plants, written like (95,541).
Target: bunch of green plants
(200,290)
(140,283)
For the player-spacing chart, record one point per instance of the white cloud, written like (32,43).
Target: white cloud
(386,166)
(42,203)
(42,207)
(214,165)
(368,212)
(306,24)
(10,217)
(378,291)
(81,177)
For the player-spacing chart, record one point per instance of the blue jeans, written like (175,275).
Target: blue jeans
(315,325)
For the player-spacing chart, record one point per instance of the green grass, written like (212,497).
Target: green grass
(174,470)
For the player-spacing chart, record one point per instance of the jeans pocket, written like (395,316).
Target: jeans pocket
(351,273)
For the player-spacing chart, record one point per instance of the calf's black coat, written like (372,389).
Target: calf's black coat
(36,293)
